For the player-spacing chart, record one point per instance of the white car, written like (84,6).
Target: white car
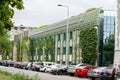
(49,68)
(46,65)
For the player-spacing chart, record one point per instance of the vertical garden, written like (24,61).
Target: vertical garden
(89,45)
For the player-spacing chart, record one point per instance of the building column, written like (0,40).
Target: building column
(67,52)
(56,48)
(61,48)
(43,56)
(74,47)
(117,36)
(78,56)
(15,52)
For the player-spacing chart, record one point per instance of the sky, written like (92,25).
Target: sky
(44,12)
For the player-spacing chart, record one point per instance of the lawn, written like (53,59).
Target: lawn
(6,77)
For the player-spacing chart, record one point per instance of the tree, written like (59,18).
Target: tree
(7,13)
(4,44)
(88,44)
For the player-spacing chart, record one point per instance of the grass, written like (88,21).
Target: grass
(5,77)
(8,76)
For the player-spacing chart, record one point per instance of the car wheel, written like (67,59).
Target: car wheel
(45,70)
(71,74)
(59,72)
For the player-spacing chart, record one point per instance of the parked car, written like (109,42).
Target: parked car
(1,62)
(71,68)
(96,73)
(8,63)
(45,65)
(17,64)
(59,70)
(107,74)
(49,68)
(36,66)
(29,66)
(118,75)
(83,70)
(23,65)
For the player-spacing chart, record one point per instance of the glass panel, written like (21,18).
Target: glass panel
(70,50)
(112,20)
(64,50)
(70,35)
(105,20)
(58,51)
(105,28)
(64,36)
(58,37)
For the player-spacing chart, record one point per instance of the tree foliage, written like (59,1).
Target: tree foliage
(4,41)
(7,12)
(88,44)
(4,44)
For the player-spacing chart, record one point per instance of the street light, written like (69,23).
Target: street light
(66,31)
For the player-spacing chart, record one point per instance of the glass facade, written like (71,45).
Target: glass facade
(108,37)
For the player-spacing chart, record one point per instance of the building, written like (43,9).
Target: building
(117,36)
(17,33)
(57,32)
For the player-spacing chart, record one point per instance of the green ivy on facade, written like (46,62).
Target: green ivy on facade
(89,44)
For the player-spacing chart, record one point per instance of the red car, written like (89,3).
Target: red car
(83,71)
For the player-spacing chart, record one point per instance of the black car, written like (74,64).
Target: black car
(59,70)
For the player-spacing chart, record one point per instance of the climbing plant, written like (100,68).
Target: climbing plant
(88,44)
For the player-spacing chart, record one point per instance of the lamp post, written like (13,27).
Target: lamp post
(66,31)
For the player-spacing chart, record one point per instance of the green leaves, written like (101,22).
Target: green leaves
(88,44)
(7,12)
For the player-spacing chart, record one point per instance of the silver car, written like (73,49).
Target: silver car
(96,72)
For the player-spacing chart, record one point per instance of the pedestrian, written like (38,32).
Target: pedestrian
(113,74)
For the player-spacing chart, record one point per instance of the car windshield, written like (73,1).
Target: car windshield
(38,63)
(100,68)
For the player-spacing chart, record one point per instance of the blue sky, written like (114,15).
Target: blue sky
(44,12)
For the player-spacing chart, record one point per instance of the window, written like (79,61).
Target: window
(64,50)
(58,51)
(70,35)
(70,50)
(64,36)
(58,37)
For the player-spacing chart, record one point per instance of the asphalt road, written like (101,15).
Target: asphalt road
(41,75)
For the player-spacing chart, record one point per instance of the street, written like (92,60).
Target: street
(41,75)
